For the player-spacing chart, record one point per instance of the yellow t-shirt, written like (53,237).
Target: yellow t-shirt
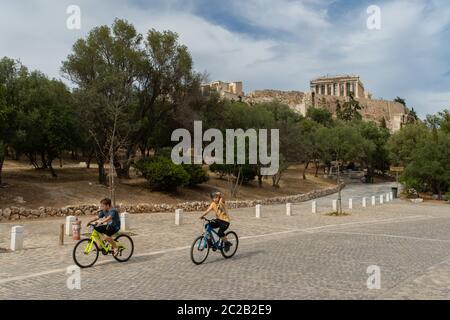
(220,210)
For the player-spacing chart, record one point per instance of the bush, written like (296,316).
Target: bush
(248,171)
(447,195)
(162,173)
(196,174)
(220,169)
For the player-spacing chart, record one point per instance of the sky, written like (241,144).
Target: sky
(267,44)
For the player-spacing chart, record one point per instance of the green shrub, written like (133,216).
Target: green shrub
(196,174)
(248,171)
(162,173)
(220,169)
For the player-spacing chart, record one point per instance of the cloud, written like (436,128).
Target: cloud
(266,44)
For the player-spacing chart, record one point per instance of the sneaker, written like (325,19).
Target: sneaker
(227,246)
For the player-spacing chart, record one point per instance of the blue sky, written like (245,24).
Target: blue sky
(267,44)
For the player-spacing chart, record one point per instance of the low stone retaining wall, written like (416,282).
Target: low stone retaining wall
(20,213)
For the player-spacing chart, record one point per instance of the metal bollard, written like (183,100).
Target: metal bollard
(381,199)
(334,205)
(364,202)
(373,200)
(350,203)
(314,207)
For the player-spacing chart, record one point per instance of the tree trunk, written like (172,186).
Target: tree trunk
(304,170)
(2,160)
(49,166)
(89,159)
(317,169)
(43,160)
(339,189)
(101,173)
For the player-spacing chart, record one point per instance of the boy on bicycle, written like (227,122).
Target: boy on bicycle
(222,220)
(107,223)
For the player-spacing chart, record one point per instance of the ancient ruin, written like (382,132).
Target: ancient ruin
(325,92)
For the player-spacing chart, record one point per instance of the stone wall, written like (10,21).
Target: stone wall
(293,99)
(20,213)
(372,109)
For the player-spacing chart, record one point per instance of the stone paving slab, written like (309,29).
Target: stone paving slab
(305,256)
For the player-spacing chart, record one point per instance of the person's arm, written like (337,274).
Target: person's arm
(206,211)
(93,220)
(107,219)
(97,218)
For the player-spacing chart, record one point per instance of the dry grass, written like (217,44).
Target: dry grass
(76,185)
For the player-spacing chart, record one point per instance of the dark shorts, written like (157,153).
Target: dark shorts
(222,225)
(107,229)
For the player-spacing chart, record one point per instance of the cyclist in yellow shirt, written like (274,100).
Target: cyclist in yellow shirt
(222,220)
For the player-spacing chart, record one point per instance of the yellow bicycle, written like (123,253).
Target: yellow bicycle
(86,251)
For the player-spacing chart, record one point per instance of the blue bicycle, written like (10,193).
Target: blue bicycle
(211,240)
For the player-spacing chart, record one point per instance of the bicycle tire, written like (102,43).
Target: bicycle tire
(194,248)
(74,256)
(119,257)
(229,254)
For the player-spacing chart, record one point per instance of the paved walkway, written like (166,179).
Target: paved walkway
(305,256)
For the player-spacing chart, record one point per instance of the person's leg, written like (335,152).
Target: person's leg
(108,237)
(101,230)
(223,226)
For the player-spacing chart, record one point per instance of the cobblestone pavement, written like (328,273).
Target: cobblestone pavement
(304,256)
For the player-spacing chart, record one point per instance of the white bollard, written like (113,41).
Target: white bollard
(334,205)
(381,199)
(258,211)
(350,203)
(69,220)
(178,214)
(364,203)
(373,200)
(391,195)
(16,238)
(387,197)
(314,207)
(124,222)
(288,209)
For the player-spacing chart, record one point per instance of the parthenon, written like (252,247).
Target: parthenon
(339,86)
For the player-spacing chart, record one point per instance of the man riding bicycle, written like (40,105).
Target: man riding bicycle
(107,223)
(222,220)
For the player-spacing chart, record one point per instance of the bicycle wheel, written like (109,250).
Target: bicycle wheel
(233,238)
(199,250)
(126,247)
(85,254)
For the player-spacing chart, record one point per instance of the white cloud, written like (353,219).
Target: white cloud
(406,57)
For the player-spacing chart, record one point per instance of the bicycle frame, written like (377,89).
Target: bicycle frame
(209,231)
(95,235)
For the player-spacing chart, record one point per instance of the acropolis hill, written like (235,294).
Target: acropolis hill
(324,93)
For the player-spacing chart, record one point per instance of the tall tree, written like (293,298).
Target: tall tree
(104,66)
